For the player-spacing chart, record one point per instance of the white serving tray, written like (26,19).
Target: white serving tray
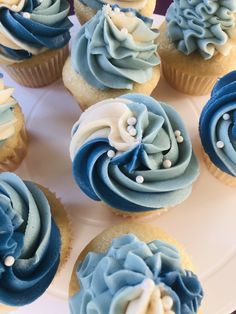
(205,223)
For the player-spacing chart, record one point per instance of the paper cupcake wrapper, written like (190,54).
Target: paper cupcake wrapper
(39,74)
(217,173)
(18,154)
(186,83)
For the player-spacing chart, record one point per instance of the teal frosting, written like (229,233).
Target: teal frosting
(29,234)
(107,280)
(107,58)
(196,25)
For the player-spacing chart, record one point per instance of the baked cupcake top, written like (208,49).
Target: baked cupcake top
(207,26)
(115,49)
(98,4)
(29,241)
(218,124)
(7,117)
(136,277)
(133,153)
(29,27)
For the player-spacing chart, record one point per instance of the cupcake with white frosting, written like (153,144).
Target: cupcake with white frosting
(134,268)
(34,38)
(198,44)
(112,53)
(13,136)
(134,154)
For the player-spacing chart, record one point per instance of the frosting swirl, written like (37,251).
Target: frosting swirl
(7,117)
(203,26)
(218,125)
(98,4)
(133,153)
(128,273)
(29,241)
(115,49)
(28,28)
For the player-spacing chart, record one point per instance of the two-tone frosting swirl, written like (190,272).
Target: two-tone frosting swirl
(218,125)
(203,26)
(29,241)
(115,49)
(29,27)
(133,153)
(7,116)
(98,4)
(136,277)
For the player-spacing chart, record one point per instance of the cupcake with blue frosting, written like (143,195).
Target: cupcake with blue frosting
(34,240)
(218,130)
(112,53)
(86,9)
(198,44)
(34,38)
(134,154)
(134,268)
(13,135)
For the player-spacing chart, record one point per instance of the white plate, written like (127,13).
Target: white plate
(205,223)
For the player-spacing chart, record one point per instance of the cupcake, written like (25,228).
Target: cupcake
(13,136)
(112,53)
(218,130)
(34,38)
(33,232)
(198,44)
(134,268)
(134,154)
(86,9)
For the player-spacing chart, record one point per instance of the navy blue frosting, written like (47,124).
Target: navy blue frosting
(213,127)
(32,32)
(29,234)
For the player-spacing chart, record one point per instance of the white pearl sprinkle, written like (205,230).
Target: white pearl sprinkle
(111,153)
(220,144)
(132,121)
(14,7)
(177,133)
(117,10)
(124,31)
(132,131)
(139,179)
(226,116)
(9,261)
(129,127)
(179,139)
(167,302)
(167,164)
(26,15)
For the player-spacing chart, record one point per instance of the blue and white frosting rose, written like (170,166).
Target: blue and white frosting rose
(136,277)
(203,26)
(29,242)
(218,125)
(133,153)
(115,49)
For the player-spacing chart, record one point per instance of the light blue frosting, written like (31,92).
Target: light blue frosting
(107,280)
(197,25)
(214,128)
(113,180)
(106,58)
(28,233)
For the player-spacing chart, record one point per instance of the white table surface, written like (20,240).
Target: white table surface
(205,223)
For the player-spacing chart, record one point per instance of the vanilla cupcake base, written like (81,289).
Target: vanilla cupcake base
(192,74)
(90,95)
(14,149)
(84,13)
(217,173)
(40,70)
(144,232)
